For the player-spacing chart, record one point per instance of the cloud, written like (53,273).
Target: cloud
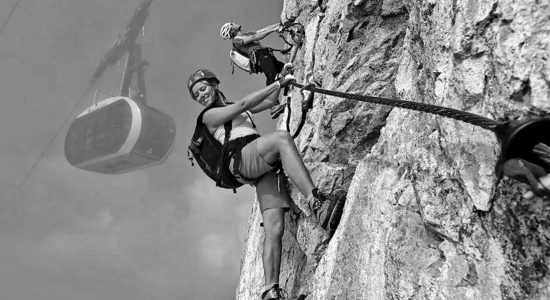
(214,251)
(150,244)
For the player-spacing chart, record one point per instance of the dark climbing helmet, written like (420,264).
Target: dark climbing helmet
(201,74)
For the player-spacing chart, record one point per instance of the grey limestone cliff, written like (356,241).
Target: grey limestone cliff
(426,215)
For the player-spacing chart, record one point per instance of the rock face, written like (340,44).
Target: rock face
(426,215)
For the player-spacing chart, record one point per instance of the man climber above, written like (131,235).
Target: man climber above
(261,58)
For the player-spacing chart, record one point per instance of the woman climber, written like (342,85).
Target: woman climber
(254,163)
(261,58)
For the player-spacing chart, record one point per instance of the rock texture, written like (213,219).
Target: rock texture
(426,215)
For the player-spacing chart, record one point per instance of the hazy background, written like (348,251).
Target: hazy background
(160,233)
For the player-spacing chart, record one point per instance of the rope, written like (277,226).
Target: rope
(305,108)
(456,114)
(295,32)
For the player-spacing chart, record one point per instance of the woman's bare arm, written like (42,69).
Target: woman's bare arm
(219,115)
(271,100)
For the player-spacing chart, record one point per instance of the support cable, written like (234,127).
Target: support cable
(9,16)
(28,172)
(20,185)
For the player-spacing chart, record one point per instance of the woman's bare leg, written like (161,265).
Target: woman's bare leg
(280,144)
(274,225)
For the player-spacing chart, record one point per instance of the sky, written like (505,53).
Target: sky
(164,232)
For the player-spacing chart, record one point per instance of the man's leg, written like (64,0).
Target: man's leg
(274,224)
(271,67)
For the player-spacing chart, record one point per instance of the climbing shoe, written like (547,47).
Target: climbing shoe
(272,292)
(328,209)
(277,110)
(528,173)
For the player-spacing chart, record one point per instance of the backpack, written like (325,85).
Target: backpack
(240,60)
(213,157)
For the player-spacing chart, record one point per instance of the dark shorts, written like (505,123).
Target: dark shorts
(268,64)
(270,188)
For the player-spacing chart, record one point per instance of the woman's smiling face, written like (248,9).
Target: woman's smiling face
(204,93)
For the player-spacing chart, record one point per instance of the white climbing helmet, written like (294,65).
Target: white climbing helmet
(225,31)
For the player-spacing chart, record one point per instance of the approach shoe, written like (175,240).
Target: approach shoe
(328,209)
(272,292)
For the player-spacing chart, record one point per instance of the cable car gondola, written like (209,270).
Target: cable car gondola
(120,134)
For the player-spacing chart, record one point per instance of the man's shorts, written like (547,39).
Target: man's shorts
(270,188)
(268,64)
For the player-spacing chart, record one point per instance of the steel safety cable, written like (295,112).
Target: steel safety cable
(452,113)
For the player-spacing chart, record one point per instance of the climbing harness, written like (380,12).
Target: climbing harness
(246,63)
(518,138)
(220,161)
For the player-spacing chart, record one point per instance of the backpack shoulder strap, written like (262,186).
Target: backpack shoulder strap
(235,48)
(199,118)
(227,125)
(201,114)
(219,166)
